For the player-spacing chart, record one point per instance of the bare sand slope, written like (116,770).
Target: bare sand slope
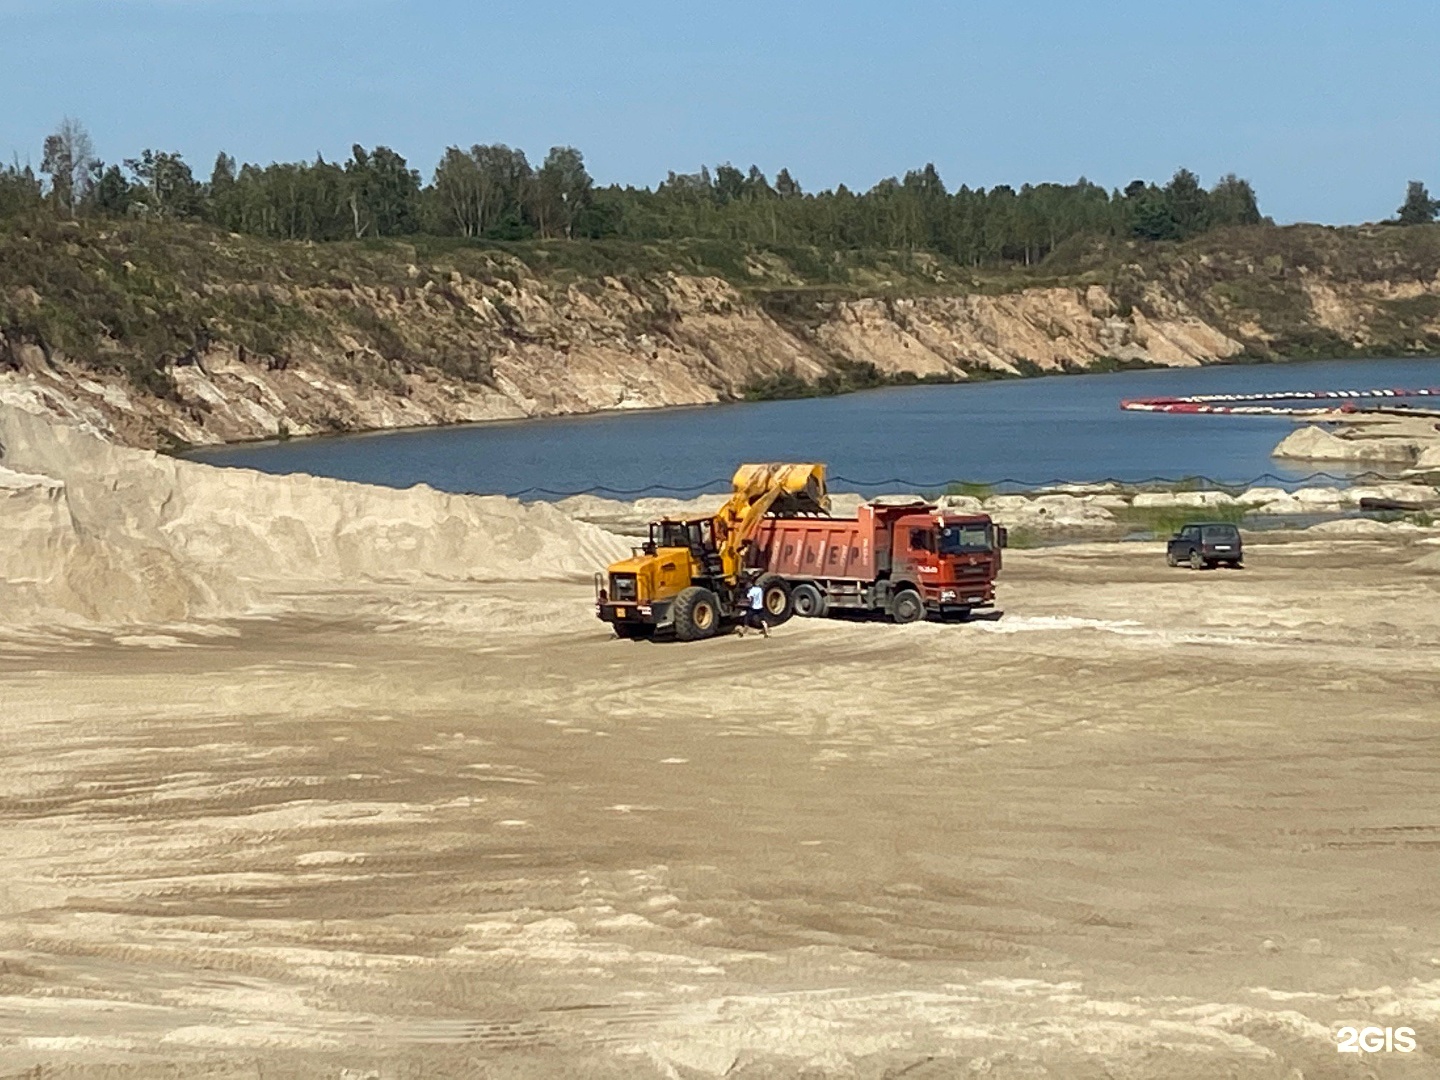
(1152,823)
(112,534)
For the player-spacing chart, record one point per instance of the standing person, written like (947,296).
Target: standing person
(755,608)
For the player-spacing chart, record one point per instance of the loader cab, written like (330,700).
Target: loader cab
(698,536)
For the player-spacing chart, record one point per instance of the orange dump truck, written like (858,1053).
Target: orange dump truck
(904,560)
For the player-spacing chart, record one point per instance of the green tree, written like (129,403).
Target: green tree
(506,179)
(383,193)
(70,162)
(112,193)
(729,184)
(1233,202)
(20,190)
(563,191)
(1419,208)
(221,194)
(1148,212)
(458,188)
(167,187)
(1188,203)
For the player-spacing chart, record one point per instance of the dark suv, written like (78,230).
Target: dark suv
(1206,543)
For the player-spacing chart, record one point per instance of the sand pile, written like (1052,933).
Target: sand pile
(114,534)
(1363,438)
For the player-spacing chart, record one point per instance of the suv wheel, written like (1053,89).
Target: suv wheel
(1197,561)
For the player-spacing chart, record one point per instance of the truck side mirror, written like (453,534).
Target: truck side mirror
(1002,536)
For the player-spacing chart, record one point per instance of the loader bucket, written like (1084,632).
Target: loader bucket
(802,487)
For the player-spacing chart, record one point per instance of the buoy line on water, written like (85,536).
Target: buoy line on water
(1233,403)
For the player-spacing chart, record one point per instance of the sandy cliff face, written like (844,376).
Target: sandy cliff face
(390,344)
(1052,329)
(500,350)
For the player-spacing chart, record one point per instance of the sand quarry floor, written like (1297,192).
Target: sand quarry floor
(1150,823)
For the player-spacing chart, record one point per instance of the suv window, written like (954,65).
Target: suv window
(1190,532)
(1219,534)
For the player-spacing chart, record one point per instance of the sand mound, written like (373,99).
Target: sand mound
(1429,564)
(110,533)
(1316,444)
(1362,527)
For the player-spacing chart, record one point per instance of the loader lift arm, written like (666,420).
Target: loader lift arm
(758,490)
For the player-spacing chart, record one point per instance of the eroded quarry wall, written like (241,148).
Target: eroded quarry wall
(181,334)
(677,341)
(109,533)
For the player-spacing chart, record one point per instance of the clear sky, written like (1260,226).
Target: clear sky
(1327,107)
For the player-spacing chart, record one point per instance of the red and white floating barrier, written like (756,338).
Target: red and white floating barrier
(1219,403)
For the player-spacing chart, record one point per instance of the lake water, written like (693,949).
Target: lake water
(1024,432)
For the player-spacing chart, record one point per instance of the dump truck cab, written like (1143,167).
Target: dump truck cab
(952,559)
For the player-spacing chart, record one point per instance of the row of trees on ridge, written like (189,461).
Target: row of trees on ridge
(494,192)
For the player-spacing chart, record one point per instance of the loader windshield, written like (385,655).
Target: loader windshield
(961,539)
(695,535)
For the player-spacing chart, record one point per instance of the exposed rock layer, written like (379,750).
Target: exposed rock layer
(678,341)
(156,334)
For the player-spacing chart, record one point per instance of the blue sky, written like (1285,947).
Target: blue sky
(1329,108)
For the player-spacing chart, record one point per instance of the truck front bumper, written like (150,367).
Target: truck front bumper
(957,601)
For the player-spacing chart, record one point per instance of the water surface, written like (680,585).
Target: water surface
(1028,431)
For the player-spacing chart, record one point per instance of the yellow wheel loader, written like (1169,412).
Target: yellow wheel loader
(690,577)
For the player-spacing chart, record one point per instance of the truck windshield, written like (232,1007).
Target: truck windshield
(956,539)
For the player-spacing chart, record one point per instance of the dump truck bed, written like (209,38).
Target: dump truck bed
(818,547)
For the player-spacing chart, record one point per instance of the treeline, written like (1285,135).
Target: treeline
(494,192)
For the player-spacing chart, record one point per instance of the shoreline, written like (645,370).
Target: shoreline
(196,452)
(455,458)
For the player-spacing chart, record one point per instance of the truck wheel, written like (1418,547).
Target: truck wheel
(697,614)
(1197,561)
(776,599)
(807,601)
(907,607)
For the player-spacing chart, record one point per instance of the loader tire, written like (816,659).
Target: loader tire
(697,614)
(807,601)
(907,607)
(776,601)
